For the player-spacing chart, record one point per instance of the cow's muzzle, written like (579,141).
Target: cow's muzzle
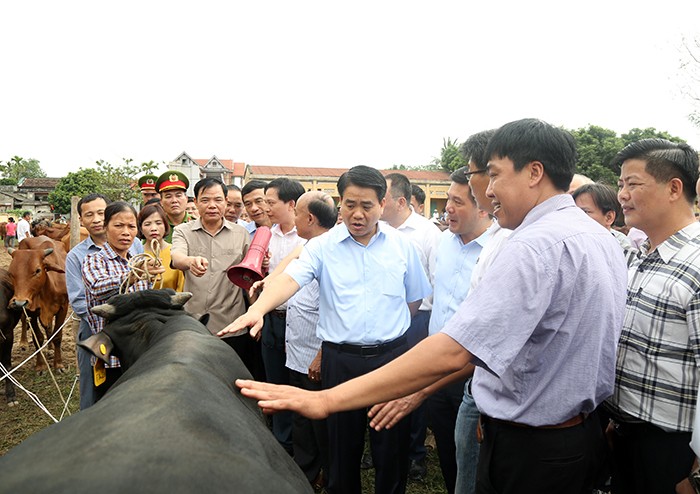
(17,304)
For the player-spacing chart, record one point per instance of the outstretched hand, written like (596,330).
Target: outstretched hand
(274,398)
(251,320)
(386,415)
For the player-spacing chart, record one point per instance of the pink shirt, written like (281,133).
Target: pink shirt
(11,229)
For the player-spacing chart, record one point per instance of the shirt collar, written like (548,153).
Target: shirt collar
(342,233)
(276,230)
(111,253)
(675,242)
(555,203)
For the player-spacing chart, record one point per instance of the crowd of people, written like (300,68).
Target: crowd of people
(546,350)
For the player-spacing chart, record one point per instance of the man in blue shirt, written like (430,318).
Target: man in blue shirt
(542,328)
(371,281)
(91,210)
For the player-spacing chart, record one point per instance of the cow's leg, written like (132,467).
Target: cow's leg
(23,343)
(7,338)
(38,339)
(60,318)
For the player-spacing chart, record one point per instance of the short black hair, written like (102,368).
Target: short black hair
(231,187)
(153,200)
(287,189)
(363,176)
(418,193)
(207,183)
(530,139)
(116,208)
(474,148)
(251,186)
(665,160)
(460,175)
(26,213)
(400,186)
(326,214)
(604,197)
(90,198)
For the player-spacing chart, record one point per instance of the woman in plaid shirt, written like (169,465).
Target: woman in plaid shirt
(104,272)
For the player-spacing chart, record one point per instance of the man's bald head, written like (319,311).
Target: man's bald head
(577,181)
(315,209)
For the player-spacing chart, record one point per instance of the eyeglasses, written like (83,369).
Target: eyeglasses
(475,172)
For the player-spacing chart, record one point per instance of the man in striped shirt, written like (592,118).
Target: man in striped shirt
(656,382)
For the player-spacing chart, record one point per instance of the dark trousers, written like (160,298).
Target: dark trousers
(649,460)
(443,407)
(87,380)
(310,437)
(418,331)
(346,430)
(275,358)
(250,353)
(523,460)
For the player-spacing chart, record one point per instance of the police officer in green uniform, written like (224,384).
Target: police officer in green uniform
(172,187)
(147,184)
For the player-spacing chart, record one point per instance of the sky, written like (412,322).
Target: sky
(324,83)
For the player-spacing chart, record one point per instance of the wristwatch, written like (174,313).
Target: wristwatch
(694,479)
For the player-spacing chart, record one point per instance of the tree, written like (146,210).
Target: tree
(690,68)
(18,168)
(84,181)
(450,156)
(598,146)
(116,183)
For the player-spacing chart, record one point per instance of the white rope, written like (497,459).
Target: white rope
(46,343)
(31,395)
(43,357)
(65,407)
(139,268)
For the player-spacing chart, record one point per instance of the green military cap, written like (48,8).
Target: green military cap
(172,180)
(148,182)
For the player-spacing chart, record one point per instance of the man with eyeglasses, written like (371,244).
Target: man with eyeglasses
(541,329)
(204,249)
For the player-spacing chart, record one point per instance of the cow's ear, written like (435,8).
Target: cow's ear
(50,265)
(100,345)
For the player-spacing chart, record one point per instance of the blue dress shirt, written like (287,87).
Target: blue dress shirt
(454,263)
(544,323)
(364,290)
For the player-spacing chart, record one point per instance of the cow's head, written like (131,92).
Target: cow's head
(28,273)
(134,321)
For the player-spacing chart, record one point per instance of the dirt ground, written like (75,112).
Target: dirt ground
(19,422)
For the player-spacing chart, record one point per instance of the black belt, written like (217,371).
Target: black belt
(281,314)
(367,350)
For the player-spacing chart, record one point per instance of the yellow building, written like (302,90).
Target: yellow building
(433,183)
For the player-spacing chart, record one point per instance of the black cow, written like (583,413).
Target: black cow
(174,422)
(8,321)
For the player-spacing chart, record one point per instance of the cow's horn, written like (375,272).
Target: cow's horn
(10,250)
(104,310)
(180,298)
(48,251)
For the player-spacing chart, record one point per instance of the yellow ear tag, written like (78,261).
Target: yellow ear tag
(99,372)
(103,349)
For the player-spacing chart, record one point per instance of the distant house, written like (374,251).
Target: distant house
(30,194)
(196,169)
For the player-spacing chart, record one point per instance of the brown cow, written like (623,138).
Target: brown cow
(66,238)
(38,274)
(45,227)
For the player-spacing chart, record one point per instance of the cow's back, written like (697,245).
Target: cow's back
(174,422)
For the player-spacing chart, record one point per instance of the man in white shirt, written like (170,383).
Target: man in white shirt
(281,196)
(425,236)
(23,227)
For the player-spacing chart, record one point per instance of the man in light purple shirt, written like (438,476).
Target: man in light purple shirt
(542,328)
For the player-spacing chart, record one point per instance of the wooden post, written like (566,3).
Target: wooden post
(74,222)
